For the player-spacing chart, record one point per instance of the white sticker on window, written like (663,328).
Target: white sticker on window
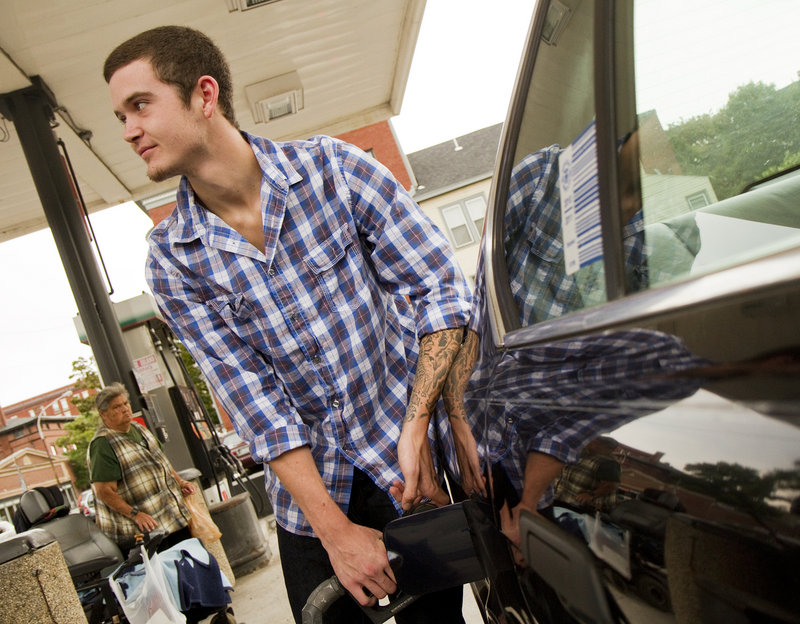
(580,202)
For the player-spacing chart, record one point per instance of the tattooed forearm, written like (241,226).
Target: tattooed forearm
(436,354)
(456,383)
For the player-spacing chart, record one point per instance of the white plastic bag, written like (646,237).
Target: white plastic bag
(610,544)
(150,601)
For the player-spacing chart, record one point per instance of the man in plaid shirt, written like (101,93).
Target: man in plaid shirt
(322,305)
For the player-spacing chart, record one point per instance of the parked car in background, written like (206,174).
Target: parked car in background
(239,449)
(86,504)
(636,396)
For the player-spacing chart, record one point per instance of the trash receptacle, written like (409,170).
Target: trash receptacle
(35,583)
(244,542)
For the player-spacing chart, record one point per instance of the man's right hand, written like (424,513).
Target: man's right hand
(359,559)
(356,552)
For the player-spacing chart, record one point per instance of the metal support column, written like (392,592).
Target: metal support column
(31,110)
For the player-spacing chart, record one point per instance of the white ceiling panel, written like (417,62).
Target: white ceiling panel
(352,57)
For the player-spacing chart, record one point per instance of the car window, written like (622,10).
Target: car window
(712,123)
(708,153)
(551,229)
(558,114)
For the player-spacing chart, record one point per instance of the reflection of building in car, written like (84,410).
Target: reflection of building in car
(666,189)
(627,536)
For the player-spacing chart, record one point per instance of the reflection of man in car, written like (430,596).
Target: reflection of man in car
(549,402)
(534,239)
(539,282)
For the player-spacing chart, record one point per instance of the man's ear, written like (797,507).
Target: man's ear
(208,89)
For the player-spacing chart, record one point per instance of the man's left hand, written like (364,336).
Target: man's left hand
(416,462)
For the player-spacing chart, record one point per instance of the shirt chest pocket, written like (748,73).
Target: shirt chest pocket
(236,313)
(338,270)
(547,249)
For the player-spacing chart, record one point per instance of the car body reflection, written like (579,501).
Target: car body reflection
(637,306)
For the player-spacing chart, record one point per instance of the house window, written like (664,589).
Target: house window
(456,222)
(464,220)
(476,207)
(698,200)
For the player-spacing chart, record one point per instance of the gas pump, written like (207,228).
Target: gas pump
(173,409)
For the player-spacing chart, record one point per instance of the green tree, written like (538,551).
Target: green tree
(785,483)
(82,428)
(756,131)
(791,160)
(199,383)
(740,486)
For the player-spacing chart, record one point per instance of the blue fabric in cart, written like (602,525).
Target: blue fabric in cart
(199,583)
(170,559)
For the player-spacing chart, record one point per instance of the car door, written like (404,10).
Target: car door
(636,397)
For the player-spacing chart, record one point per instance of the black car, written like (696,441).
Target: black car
(636,396)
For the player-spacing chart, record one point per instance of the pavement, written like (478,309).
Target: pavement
(260,596)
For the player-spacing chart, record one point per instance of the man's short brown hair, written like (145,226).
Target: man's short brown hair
(179,56)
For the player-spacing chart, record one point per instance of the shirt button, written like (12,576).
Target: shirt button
(335,403)
(271,272)
(316,359)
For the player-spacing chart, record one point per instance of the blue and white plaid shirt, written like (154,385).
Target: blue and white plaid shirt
(314,341)
(534,246)
(555,398)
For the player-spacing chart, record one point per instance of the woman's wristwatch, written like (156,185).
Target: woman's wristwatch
(133,512)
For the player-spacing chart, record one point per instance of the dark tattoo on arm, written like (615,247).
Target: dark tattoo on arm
(456,382)
(436,354)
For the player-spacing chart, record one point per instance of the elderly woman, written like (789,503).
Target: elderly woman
(136,488)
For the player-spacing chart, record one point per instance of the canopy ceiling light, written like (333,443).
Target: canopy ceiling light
(275,98)
(244,5)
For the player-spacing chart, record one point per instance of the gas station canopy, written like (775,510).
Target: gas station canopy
(300,67)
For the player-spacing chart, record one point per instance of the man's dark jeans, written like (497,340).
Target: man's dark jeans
(305,565)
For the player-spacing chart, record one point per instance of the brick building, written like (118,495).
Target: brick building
(29,453)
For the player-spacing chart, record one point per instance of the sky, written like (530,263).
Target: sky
(730,42)
(460,81)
